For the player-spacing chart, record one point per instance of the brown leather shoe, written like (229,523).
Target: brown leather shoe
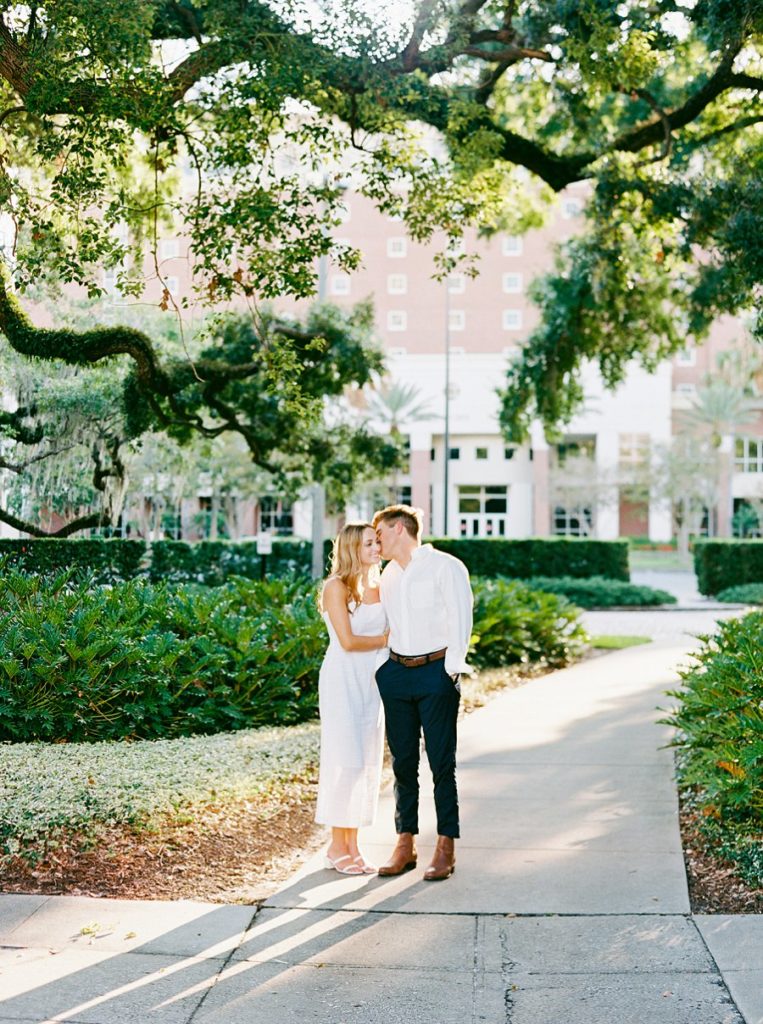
(403,857)
(443,860)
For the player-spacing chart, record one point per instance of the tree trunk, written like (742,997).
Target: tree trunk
(213,515)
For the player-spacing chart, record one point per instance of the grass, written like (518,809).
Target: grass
(617,643)
(665,561)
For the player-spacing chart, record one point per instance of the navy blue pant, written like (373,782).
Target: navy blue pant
(415,699)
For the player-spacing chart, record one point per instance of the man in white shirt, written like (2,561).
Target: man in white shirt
(428,601)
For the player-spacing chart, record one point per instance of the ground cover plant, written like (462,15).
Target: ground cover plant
(719,718)
(745,593)
(601,592)
(106,784)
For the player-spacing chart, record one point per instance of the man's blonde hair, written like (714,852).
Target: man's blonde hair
(411,518)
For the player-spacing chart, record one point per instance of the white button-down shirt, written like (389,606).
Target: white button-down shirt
(429,606)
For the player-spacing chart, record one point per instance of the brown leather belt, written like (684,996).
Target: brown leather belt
(413,661)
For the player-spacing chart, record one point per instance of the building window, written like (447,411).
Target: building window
(397,284)
(456,320)
(480,453)
(110,279)
(483,511)
(634,449)
(340,284)
(687,356)
(397,320)
(169,249)
(432,454)
(455,453)
(512,245)
(512,319)
(276,516)
(403,495)
(512,283)
(397,246)
(508,453)
(456,284)
(571,208)
(748,455)
(573,522)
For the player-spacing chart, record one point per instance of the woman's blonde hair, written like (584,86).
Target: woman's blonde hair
(346,564)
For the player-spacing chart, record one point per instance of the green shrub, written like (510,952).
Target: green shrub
(141,660)
(104,560)
(128,783)
(554,556)
(177,561)
(599,592)
(79,662)
(214,562)
(513,623)
(745,593)
(720,564)
(719,720)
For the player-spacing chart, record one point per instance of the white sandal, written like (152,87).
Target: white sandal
(351,869)
(367,869)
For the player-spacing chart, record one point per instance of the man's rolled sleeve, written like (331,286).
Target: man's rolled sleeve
(457,594)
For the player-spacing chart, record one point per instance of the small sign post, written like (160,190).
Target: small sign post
(264,548)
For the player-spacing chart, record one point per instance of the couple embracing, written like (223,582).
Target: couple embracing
(397,646)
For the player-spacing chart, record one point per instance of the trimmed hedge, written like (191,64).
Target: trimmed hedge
(554,556)
(599,592)
(214,562)
(105,560)
(719,720)
(109,561)
(720,564)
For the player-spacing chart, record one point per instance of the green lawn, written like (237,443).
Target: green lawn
(667,561)
(617,643)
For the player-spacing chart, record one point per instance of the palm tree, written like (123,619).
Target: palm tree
(395,404)
(721,405)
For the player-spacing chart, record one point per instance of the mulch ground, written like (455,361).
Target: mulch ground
(237,853)
(714,885)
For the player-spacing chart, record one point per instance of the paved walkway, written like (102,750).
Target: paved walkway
(569,904)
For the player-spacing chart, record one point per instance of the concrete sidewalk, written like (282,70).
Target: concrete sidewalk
(569,902)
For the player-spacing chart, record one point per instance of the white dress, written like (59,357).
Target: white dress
(352,726)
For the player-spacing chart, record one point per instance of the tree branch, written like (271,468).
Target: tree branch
(89,522)
(650,132)
(735,126)
(19,467)
(409,56)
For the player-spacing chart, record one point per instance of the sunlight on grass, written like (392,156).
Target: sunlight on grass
(617,643)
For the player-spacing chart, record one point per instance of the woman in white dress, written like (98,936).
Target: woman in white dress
(352,720)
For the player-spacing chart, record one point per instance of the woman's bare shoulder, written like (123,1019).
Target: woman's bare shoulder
(334,585)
